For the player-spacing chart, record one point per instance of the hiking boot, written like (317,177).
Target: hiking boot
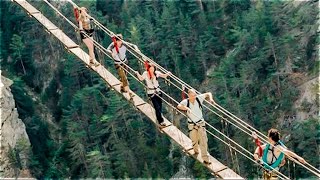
(122,90)
(91,63)
(131,96)
(196,153)
(163,124)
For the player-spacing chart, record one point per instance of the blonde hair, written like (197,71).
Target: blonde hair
(82,16)
(192,91)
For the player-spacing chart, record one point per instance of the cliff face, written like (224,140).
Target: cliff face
(14,141)
(306,104)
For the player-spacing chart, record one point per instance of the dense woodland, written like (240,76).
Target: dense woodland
(252,55)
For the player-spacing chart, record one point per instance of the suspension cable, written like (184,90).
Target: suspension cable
(110,33)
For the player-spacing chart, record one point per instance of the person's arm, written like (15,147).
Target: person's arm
(141,78)
(283,162)
(182,106)
(109,48)
(208,96)
(132,45)
(160,74)
(292,154)
(256,152)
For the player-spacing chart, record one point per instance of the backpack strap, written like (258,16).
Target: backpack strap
(200,105)
(197,99)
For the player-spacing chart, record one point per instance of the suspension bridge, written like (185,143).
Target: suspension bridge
(217,168)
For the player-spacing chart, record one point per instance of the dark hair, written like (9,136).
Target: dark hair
(154,72)
(119,37)
(274,135)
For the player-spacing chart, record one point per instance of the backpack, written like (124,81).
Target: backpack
(278,160)
(76,14)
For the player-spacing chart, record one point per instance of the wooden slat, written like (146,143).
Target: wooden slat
(28,7)
(140,104)
(64,38)
(172,131)
(228,174)
(47,24)
(44,21)
(180,138)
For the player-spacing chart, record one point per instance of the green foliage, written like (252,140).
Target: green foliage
(246,52)
(99,165)
(14,160)
(24,103)
(306,134)
(16,46)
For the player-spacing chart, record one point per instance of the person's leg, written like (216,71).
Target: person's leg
(193,133)
(203,142)
(89,44)
(156,101)
(160,105)
(119,73)
(123,78)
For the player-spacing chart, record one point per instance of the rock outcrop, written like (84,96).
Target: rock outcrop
(307,105)
(14,142)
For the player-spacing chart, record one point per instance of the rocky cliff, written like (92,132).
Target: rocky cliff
(14,141)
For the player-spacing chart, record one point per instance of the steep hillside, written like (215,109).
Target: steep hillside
(15,145)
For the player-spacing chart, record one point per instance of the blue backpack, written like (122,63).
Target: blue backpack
(278,160)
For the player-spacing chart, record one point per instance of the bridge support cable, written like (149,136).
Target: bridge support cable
(241,122)
(146,108)
(248,127)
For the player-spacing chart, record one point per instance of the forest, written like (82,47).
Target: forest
(252,55)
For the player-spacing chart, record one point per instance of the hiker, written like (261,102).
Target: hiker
(118,52)
(86,32)
(196,123)
(151,76)
(272,155)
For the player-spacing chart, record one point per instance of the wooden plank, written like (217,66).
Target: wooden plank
(80,54)
(47,24)
(179,137)
(44,21)
(172,131)
(228,174)
(137,104)
(64,38)
(28,7)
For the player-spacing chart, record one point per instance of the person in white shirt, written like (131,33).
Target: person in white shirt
(153,89)
(196,123)
(118,51)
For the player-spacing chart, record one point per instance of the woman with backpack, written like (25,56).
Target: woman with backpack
(272,155)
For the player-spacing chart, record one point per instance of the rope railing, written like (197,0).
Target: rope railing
(142,58)
(260,135)
(106,53)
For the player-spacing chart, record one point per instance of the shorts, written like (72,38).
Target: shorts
(86,33)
